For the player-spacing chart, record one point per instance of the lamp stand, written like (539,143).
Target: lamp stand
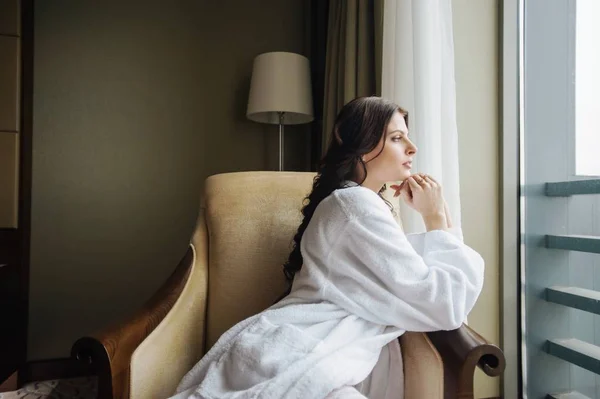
(281,115)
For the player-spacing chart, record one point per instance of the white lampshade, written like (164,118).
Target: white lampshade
(280,83)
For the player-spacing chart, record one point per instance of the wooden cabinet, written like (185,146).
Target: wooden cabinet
(11,319)
(16,31)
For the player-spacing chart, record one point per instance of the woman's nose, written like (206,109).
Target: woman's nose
(412,149)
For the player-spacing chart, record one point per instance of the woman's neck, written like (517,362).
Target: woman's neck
(374,186)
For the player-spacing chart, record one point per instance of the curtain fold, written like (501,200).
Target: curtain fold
(317,12)
(418,74)
(350,60)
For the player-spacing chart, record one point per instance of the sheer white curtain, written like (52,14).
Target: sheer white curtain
(418,74)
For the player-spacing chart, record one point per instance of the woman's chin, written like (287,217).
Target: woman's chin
(404,175)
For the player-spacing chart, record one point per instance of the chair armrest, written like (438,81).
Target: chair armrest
(462,350)
(109,352)
(423,367)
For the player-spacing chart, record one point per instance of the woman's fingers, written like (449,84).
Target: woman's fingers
(433,180)
(430,181)
(397,189)
(423,181)
(406,193)
(423,178)
(414,187)
(413,183)
(426,195)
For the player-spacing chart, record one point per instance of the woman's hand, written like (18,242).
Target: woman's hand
(424,194)
(447,211)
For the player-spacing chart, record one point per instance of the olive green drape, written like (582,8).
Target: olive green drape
(352,57)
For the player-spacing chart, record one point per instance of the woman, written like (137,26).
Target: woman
(358,282)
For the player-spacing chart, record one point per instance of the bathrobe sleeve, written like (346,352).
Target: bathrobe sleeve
(417,240)
(376,274)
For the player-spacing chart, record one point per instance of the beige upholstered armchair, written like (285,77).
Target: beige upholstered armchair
(232,269)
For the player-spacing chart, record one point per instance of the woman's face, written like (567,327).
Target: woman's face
(393,163)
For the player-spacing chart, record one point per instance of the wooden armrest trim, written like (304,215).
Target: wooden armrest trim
(462,350)
(465,345)
(109,352)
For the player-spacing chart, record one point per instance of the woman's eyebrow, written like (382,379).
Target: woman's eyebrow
(398,131)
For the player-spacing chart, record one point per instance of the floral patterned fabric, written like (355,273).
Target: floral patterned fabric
(76,388)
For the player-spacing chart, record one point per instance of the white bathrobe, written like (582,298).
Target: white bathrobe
(363,284)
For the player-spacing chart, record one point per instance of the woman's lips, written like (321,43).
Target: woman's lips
(407,164)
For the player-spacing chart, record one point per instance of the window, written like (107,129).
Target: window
(551,194)
(587,87)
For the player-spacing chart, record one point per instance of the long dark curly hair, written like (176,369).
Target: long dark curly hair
(358,129)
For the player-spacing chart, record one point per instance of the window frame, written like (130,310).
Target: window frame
(513,293)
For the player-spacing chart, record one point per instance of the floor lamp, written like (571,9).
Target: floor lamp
(280,92)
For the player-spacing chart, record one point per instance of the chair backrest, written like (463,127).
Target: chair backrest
(251,218)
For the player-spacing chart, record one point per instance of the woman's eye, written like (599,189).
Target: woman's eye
(397,138)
